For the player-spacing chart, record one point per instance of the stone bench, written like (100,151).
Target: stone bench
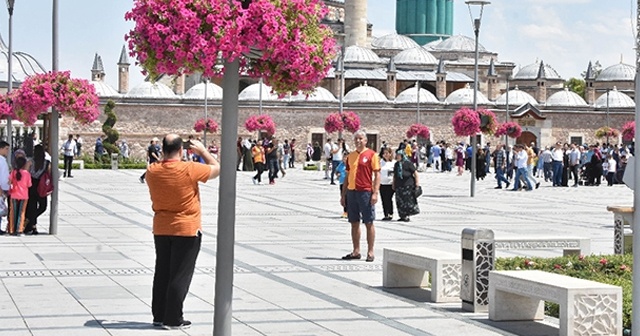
(586,307)
(622,228)
(412,266)
(78,162)
(569,245)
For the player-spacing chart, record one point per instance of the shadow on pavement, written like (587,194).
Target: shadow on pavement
(109,324)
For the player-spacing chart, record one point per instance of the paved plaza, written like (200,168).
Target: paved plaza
(94,277)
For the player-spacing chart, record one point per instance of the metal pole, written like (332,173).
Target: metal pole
(260,97)
(10,82)
(474,140)
(342,73)
(418,109)
(607,116)
(206,112)
(54,135)
(635,323)
(226,202)
(506,117)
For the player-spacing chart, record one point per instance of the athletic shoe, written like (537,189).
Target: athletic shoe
(157,324)
(141,179)
(183,325)
(254,180)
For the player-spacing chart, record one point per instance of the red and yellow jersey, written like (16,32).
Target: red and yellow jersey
(360,168)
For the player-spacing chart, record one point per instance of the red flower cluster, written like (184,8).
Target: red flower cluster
(510,129)
(466,122)
(38,93)
(205,124)
(419,130)
(629,131)
(336,122)
(261,122)
(291,50)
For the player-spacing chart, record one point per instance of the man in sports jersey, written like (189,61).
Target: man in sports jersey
(361,193)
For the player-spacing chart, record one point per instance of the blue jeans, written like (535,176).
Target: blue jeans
(273,169)
(500,177)
(521,172)
(557,173)
(334,167)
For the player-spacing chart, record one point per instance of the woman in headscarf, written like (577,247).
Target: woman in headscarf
(405,181)
(481,164)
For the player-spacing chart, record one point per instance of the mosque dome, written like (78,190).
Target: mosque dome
(365,94)
(415,56)
(565,98)
(618,72)
(410,96)
(355,54)
(214,92)
(393,41)
(23,64)
(151,90)
(531,71)
(252,92)
(464,96)
(616,99)
(459,43)
(517,97)
(432,45)
(320,94)
(104,90)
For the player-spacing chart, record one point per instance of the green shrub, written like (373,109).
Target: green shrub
(610,269)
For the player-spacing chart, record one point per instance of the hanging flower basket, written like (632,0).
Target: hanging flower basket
(351,121)
(606,131)
(510,129)
(418,130)
(333,123)
(629,131)
(466,122)
(261,122)
(290,49)
(205,124)
(488,122)
(71,97)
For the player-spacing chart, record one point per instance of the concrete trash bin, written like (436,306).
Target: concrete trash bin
(114,161)
(478,258)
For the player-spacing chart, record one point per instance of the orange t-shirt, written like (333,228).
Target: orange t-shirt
(175,196)
(258,154)
(360,167)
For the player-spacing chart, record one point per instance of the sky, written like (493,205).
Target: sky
(565,34)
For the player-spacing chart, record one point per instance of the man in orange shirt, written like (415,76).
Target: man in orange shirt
(175,197)
(361,193)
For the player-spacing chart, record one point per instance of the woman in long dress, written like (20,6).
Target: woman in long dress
(405,181)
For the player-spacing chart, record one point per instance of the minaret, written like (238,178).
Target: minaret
(97,70)
(391,79)
(441,81)
(541,84)
(355,23)
(492,82)
(590,91)
(123,71)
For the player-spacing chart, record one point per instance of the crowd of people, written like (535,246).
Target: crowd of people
(24,187)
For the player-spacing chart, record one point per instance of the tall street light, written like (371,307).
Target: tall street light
(476,29)
(206,111)
(53,127)
(418,102)
(608,116)
(635,323)
(341,90)
(10,4)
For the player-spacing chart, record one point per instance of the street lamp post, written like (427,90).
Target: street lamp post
(608,116)
(341,90)
(476,31)
(206,111)
(10,4)
(506,117)
(635,323)
(418,102)
(53,127)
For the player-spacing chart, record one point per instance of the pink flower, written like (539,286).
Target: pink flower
(351,121)
(528,262)
(606,131)
(557,266)
(603,261)
(510,129)
(185,36)
(209,124)
(261,122)
(489,117)
(623,267)
(581,257)
(629,131)
(418,130)
(466,122)
(333,123)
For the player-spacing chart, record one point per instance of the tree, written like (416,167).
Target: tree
(112,134)
(576,85)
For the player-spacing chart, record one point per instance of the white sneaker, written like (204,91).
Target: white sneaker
(254,180)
